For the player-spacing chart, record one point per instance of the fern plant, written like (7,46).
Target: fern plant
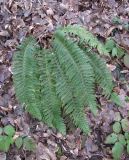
(62,79)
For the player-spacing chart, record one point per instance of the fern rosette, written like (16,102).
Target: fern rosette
(61,79)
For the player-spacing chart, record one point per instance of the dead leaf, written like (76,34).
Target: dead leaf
(11,43)
(50,12)
(63,158)
(111,67)
(4,33)
(28,4)
(90,146)
(3,156)
(109,31)
(10,2)
(42,152)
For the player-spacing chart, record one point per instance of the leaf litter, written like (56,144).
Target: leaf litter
(105,18)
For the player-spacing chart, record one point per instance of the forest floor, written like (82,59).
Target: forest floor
(104,18)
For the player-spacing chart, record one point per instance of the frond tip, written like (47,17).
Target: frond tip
(61,81)
(85,37)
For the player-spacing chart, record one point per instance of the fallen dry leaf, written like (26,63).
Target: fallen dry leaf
(42,152)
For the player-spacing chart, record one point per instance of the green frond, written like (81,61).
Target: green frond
(25,76)
(66,94)
(102,74)
(78,70)
(58,121)
(85,36)
(50,103)
(79,119)
(64,90)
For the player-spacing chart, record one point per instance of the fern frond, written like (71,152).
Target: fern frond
(75,65)
(102,74)
(85,36)
(65,92)
(25,77)
(79,119)
(50,103)
(58,121)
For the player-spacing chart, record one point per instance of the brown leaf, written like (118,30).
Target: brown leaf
(111,67)
(109,31)
(3,156)
(11,43)
(28,4)
(10,2)
(42,152)
(50,12)
(4,33)
(90,146)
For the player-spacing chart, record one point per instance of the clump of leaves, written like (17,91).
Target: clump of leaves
(7,139)
(119,138)
(62,78)
(117,21)
(114,49)
(26,142)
